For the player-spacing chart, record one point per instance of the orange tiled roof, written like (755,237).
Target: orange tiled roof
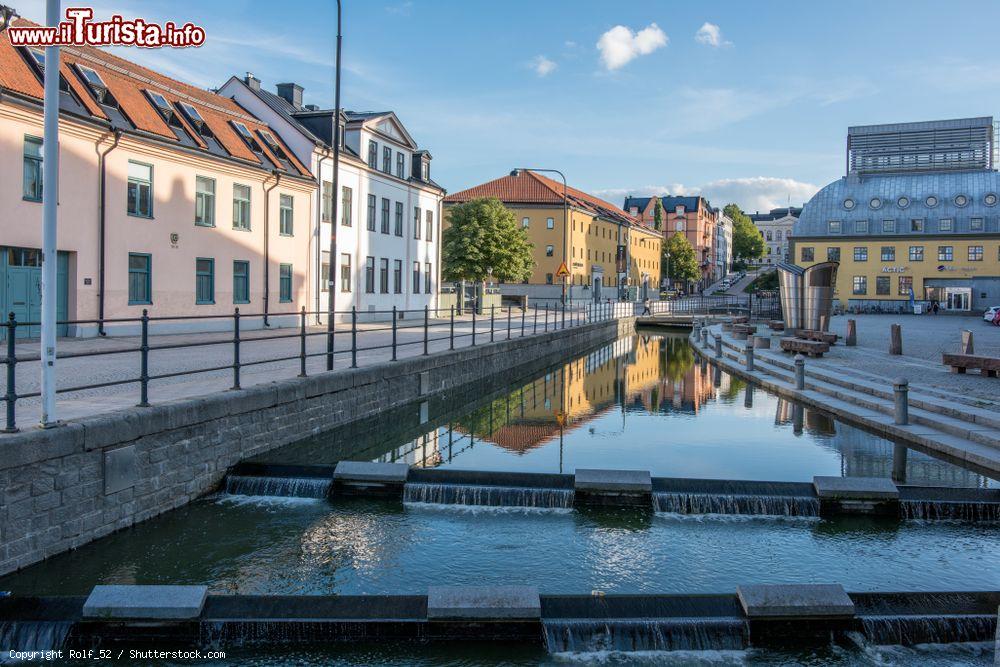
(126,82)
(532,188)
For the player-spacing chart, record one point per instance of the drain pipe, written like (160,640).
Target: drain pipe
(102,223)
(267,236)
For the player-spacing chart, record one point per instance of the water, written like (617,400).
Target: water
(489,496)
(644,634)
(934,629)
(291,487)
(701,503)
(949,510)
(31,636)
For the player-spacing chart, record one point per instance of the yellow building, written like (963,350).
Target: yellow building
(918,211)
(604,249)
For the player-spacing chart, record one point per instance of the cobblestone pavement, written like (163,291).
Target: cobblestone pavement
(119,360)
(925,338)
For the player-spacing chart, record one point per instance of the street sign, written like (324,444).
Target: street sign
(562,272)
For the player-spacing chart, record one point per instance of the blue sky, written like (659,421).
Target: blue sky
(752,107)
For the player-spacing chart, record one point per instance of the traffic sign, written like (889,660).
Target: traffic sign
(562,272)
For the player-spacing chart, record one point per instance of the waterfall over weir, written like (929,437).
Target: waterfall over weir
(949,509)
(489,496)
(764,505)
(641,634)
(929,629)
(288,487)
(32,636)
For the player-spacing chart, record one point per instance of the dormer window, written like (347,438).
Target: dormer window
(161,103)
(39,57)
(96,84)
(400,165)
(275,148)
(247,136)
(193,115)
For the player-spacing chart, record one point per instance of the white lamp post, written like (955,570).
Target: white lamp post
(50,200)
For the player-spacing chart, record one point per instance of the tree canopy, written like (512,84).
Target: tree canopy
(483,234)
(748,244)
(679,259)
(658,215)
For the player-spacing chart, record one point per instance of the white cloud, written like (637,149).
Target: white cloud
(710,34)
(620,45)
(401,9)
(755,193)
(543,66)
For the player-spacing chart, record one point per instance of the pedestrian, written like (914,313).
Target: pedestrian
(645,307)
(935,307)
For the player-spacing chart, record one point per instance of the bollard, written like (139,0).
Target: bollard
(800,372)
(11,424)
(899,463)
(852,333)
(144,361)
(895,339)
(302,343)
(901,388)
(718,346)
(394,333)
(236,349)
(427,321)
(354,336)
(824,323)
(748,354)
(967,342)
(451,330)
(704,338)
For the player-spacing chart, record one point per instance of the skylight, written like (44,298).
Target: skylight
(39,57)
(191,112)
(242,129)
(160,101)
(272,144)
(92,77)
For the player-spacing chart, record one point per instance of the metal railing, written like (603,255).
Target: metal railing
(348,340)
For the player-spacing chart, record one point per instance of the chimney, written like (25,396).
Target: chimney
(253,83)
(292,92)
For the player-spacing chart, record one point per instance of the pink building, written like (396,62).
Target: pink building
(171,199)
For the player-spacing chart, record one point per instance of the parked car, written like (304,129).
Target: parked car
(992,315)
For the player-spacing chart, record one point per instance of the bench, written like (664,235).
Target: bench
(741,319)
(743,331)
(959,363)
(813,348)
(813,334)
(776,325)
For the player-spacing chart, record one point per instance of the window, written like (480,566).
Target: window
(525,222)
(140,189)
(370,275)
(324,271)
(861,227)
(32,189)
(327,201)
(975,253)
(204,280)
(945,225)
(860,254)
(888,253)
(777,232)
(286,215)
(397,276)
(549,250)
(416,277)
(241,281)
(550,223)
(399,219)
(860,285)
(427,278)
(371,213)
(204,201)
(881,286)
(905,285)
(916,253)
(347,204)
(385,215)
(430,225)
(285,283)
(833,254)
(372,154)
(768,234)
(548,278)
(139,279)
(345,272)
(241,207)
(383,276)
(416,222)
(387,159)
(808,254)
(917,225)
(400,165)
(888,226)
(944,253)
(976,225)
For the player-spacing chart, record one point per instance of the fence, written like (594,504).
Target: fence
(430,325)
(764,306)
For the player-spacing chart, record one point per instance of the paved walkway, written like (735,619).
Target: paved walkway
(119,360)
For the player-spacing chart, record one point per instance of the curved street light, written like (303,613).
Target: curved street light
(7,15)
(332,273)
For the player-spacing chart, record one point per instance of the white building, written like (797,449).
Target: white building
(389,232)
(723,245)
(775,227)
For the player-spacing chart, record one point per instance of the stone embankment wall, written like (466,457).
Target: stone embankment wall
(64,487)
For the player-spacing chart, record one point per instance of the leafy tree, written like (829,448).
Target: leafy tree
(734,213)
(483,234)
(748,244)
(658,215)
(679,259)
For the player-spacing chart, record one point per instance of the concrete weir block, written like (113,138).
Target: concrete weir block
(483,603)
(795,601)
(855,488)
(364,477)
(613,487)
(145,602)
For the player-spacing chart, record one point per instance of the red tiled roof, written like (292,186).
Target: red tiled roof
(126,82)
(532,188)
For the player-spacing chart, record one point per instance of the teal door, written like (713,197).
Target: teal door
(22,293)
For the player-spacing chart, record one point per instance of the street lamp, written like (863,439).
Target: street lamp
(331,277)
(517,172)
(7,15)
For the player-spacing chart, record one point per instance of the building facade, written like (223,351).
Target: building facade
(609,254)
(916,217)
(775,228)
(723,245)
(389,208)
(692,216)
(172,200)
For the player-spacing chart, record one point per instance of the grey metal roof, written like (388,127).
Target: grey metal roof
(775,214)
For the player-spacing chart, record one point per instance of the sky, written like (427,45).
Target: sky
(744,101)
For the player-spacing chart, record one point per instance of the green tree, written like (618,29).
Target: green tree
(748,244)
(483,234)
(658,215)
(680,260)
(734,213)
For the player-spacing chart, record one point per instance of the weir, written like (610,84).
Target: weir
(489,496)
(645,634)
(703,503)
(286,487)
(32,635)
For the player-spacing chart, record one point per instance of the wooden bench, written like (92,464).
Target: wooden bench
(741,319)
(813,334)
(776,325)
(745,328)
(959,363)
(813,348)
